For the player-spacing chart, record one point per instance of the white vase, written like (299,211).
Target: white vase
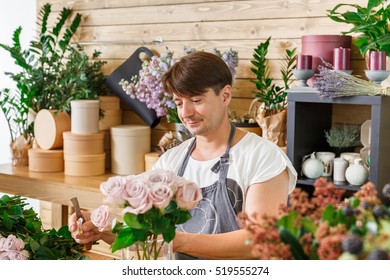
(356,174)
(312,167)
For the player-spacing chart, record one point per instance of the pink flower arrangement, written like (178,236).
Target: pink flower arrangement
(12,248)
(152,204)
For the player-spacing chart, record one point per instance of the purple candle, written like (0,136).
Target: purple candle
(304,61)
(341,58)
(377,60)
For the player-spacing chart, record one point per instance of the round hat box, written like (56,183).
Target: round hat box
(83,144)
(129,144)
(84,165)
(85,116)
(40,160)
(48,128)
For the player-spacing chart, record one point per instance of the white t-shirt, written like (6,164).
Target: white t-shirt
(252,160)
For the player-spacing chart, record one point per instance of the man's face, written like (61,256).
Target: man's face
(202,114)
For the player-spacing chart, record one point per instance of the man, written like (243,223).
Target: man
(237,171)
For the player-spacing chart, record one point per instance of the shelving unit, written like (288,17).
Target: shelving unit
(309,116)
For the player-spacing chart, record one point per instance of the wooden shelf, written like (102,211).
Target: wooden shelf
(309,116)
(52,187)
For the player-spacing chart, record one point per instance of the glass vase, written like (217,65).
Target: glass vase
(154,249)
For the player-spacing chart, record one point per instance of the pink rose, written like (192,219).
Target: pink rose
(101,217)
(161,195)
(11,243)
(137,195)
(14,255)
(188,195)
(164,176)
(113,189)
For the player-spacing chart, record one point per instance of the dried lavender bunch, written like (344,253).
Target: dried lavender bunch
(332,83)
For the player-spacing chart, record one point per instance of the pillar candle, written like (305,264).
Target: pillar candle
(341,58)
(377,60)
(304,61)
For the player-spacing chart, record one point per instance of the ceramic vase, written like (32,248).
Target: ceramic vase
(356,174)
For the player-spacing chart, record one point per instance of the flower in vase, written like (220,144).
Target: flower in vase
(147,86)
(151,204)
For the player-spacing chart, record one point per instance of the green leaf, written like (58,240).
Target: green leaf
(169,233)
(124,239)
(288,222)
(131,221)
(295,247)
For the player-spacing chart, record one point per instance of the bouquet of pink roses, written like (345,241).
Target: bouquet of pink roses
(152,204)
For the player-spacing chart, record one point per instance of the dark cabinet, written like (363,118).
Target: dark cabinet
(309,116)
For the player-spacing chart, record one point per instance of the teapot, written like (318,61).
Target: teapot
(312,167)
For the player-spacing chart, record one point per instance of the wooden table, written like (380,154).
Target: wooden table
(56,188)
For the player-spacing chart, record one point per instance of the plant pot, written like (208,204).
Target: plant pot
(19,151)
(274,128)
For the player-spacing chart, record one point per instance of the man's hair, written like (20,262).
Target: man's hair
(195,73)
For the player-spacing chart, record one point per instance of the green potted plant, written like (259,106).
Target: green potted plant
(52,73)
(272,116)
(343,137)
(370,23)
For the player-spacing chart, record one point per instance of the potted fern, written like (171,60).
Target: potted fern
(272,115)
(52,73)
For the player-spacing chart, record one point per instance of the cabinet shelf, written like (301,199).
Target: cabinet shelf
(309,116)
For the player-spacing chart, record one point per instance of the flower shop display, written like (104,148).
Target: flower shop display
(152,204)
(272,116)
(52,57)
(146,85)
(326,226)
(22,236)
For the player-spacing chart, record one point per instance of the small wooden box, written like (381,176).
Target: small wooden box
(83,144)
(40,160)
(84,165)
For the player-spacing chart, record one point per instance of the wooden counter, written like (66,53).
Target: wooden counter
(56,188)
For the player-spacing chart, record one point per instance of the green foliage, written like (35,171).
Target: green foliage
(274,97)
(342,136)
(41,244)
(52,71)
(149,225)
(371,23)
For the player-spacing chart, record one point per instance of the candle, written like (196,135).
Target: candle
(304,61)
(377,60)
(341,58)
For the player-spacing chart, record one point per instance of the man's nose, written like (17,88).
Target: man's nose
(187,109)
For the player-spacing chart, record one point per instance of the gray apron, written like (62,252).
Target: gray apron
(214,213)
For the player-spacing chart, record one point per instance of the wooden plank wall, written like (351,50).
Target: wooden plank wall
(201,24)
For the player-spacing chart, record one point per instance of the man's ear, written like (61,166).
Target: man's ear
(227,93)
